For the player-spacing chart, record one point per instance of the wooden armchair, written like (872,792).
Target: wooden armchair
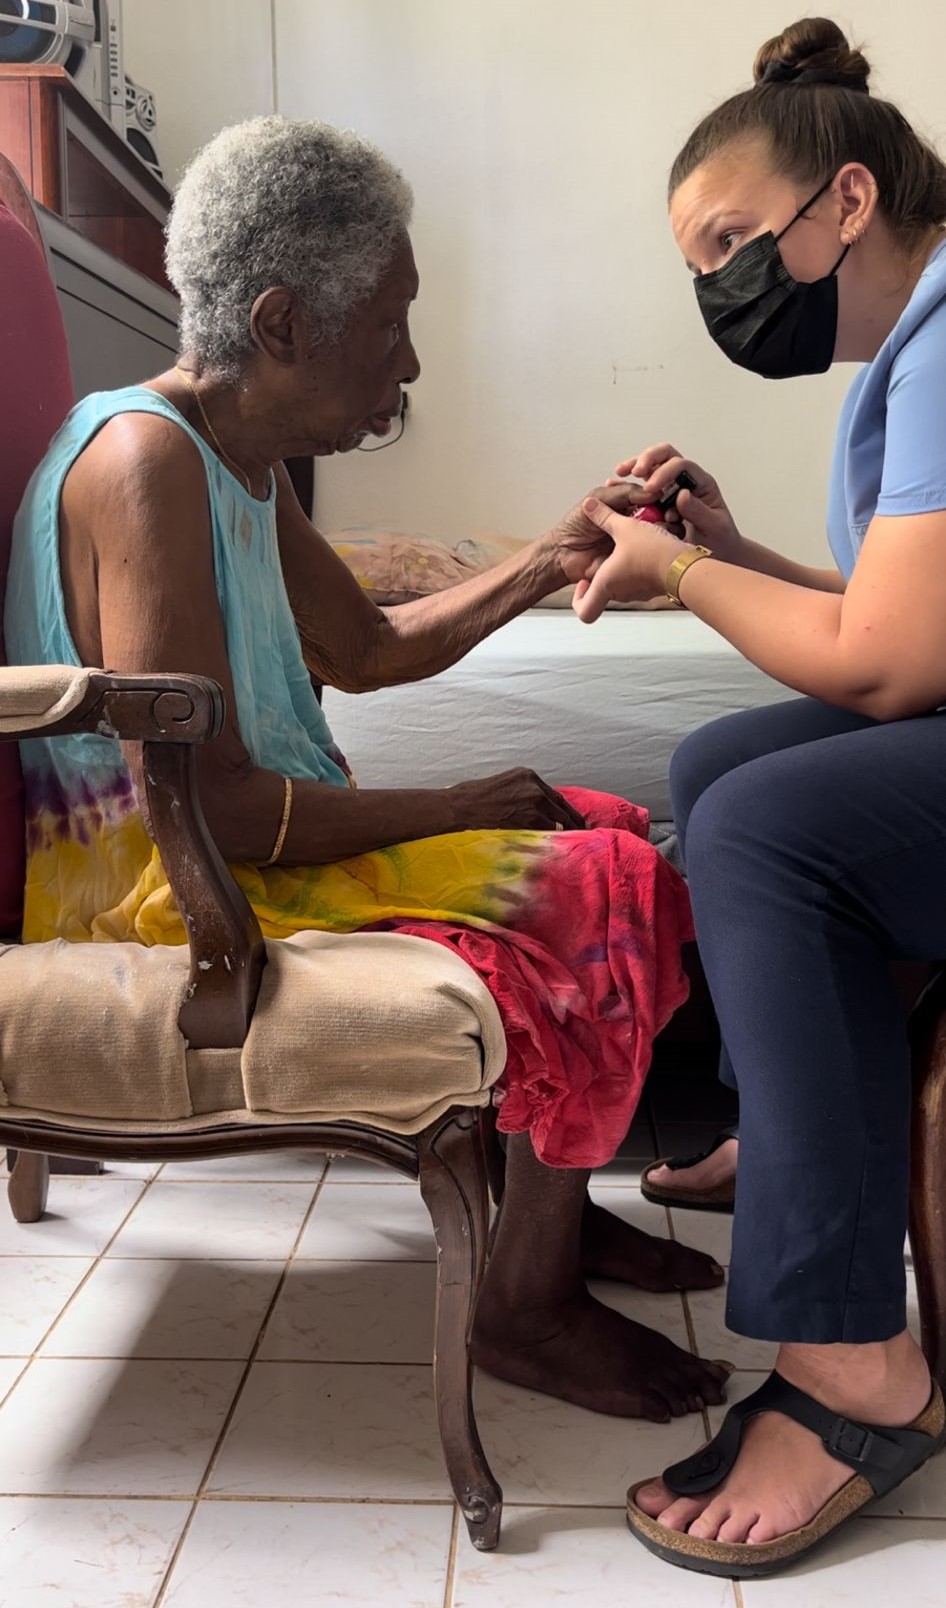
(239,1010)
(371,1044)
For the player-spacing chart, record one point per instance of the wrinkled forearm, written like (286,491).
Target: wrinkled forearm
(419,639)
(327,823)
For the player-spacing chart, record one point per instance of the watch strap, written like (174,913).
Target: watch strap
(678,569)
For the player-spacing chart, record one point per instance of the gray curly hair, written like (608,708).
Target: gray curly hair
(273,202)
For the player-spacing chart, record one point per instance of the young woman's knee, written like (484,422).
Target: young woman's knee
(699,762)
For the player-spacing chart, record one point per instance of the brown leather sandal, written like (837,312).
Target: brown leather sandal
(718,1199)
(881,1458)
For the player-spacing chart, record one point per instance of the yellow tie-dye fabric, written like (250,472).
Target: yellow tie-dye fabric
(109,885)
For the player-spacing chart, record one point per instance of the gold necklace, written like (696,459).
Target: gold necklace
(210,429)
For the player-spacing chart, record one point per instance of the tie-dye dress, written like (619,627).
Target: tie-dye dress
(577,934)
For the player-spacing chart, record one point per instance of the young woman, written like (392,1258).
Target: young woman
(814,831)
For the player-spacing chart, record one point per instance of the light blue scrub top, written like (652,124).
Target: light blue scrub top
(890,452)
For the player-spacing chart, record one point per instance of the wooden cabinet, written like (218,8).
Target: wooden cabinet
(78,167)
(102,215)
(121,327)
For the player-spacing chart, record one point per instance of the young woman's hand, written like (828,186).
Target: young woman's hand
(705,517)
(576,542)
(637,568)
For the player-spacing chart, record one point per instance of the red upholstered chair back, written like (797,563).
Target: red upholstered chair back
(35,396)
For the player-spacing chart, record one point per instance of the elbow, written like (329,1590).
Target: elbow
(364,669)
(880,681)
(379,662)
(896,703)
(232,811)
(344,678)
(234,839)
(886,701)
(366,681)
(352,683)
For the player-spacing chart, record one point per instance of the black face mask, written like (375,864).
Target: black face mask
(765,320)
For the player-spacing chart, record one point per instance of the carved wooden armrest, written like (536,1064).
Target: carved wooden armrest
(169,715)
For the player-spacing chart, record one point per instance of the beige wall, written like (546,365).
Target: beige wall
(557,327)
(208,63)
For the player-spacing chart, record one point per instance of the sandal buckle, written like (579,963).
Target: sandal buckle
(850,1441)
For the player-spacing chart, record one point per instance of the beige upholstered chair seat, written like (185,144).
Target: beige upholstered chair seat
(372,1028)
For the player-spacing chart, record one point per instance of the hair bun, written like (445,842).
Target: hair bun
(817,46)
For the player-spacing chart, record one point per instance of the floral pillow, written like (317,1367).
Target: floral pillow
(395,567)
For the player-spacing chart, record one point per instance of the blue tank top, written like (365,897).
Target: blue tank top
(92,871)
(280,719)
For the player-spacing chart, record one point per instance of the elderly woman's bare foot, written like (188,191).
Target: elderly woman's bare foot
(783,1475)
(585,1353)
(614,1249)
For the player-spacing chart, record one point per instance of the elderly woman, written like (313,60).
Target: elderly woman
(162,533)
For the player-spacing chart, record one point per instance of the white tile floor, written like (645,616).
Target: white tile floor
(215,1388)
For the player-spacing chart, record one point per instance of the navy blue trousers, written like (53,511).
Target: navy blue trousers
(815,847)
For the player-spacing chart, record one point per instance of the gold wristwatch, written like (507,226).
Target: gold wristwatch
(678,569)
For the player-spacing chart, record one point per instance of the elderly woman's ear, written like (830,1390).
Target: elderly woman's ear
(278,326)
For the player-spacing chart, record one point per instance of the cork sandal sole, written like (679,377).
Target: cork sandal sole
(721,1198)
(741,1561)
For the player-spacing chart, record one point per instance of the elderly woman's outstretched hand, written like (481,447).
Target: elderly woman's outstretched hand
(578,543)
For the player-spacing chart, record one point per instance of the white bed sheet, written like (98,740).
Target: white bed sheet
(604,706)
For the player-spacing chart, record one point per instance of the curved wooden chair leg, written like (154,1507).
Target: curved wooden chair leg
(453,1184)
(928,1172)
(29,1186)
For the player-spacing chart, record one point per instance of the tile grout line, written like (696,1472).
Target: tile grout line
(415,1501)
(237,1395)
(172,1562)
(283,1362)
(232,1182)
(256,1499)
(240,1261)
(737,1594)
(261,1334)
(688,1319)
(451,1573)
(229,1182)
(84,1280)
(6,1394)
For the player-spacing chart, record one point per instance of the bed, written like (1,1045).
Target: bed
(602,705)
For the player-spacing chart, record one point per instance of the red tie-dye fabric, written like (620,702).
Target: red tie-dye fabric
(586,971)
